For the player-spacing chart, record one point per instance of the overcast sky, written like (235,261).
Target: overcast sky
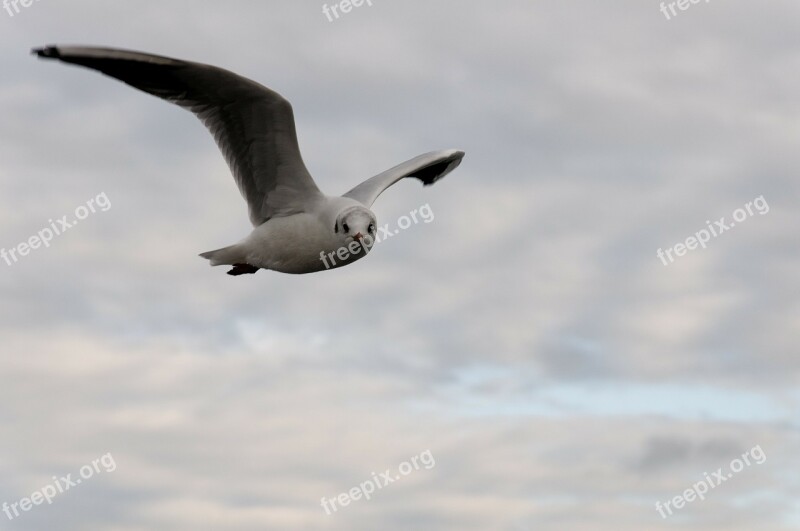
(529,338)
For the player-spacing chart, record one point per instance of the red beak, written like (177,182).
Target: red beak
(358,236)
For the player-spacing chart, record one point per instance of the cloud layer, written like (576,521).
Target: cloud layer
(529,337)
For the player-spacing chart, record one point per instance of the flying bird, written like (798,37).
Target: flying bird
(295,224)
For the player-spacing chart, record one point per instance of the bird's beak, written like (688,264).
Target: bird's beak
(358,236)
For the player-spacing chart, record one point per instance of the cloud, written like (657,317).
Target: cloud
(529,336)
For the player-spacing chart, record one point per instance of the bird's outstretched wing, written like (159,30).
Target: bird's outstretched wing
(252,125)
(428,168)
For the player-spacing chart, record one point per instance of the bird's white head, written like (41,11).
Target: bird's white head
(356,223)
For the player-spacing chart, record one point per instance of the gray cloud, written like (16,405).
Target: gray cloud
(529,336)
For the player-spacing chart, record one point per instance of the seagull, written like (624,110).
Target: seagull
(296,226)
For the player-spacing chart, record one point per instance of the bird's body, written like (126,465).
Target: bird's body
(292,244)
(297,228)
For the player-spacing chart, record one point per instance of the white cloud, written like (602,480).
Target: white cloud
(529,336)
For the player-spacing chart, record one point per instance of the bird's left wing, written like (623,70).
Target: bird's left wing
(428,168)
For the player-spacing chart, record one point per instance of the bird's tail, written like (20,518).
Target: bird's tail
(226,256)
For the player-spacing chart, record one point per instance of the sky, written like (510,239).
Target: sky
(554,349)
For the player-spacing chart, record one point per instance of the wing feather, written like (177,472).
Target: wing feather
(428,168)
(252,125)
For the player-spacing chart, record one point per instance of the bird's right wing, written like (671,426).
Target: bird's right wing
(252,125)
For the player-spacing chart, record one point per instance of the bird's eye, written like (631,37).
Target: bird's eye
(371,228)
(345,227)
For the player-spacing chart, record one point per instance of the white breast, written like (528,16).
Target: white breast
(293,244)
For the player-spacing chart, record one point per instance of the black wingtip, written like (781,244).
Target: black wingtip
(48,52)
(431,174)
